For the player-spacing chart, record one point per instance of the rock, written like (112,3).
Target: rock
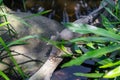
(35,49)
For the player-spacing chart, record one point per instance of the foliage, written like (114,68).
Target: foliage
(100,46)
(4,75)
(5,46)
(1,2)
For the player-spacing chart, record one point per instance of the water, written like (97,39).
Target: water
(62,10)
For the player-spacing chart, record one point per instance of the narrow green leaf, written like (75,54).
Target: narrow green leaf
(37,14)
(22,39)
(110,64)
(105,61)
(64,49)
(93,39)
(85,29)
(91,45)
(3,24)
(90,75)
(113,73)
(107,24)
(112,13)
(12,58)
(22,21)
(91,54)
(4,75)
(117,8)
